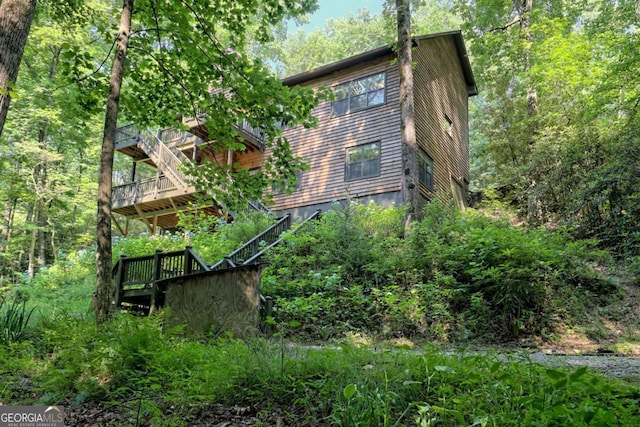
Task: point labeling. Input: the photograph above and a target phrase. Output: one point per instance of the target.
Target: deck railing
(127, 134)
(133, 192)
(144, 272)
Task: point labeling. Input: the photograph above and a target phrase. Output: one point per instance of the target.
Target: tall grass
(14, 318)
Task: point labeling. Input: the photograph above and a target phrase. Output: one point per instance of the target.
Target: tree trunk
(523, 8)
(104, 292)
(15, 22)
(410, 188)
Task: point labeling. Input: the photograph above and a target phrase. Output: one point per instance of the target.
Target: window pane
(359, 87)
(354, 171)
(370, 168)
(341, 91)
(354, 155)
(370, 151)
(376, 98)
(340, 107)
(358, 102)
(376, 82)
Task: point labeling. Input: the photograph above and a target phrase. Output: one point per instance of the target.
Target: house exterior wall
(325, 147)
(442, 85)
(440, 95)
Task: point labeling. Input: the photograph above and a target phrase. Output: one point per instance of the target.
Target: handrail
(253, 246)
(303, 225)
(166, 158)
(133, 192)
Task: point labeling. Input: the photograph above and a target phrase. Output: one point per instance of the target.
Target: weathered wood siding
(440, 92)
(216, 301)
(325, 146)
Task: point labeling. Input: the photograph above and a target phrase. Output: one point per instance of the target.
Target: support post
(157, 275)
(120, 280)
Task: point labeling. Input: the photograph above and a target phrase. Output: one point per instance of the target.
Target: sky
(337, 9)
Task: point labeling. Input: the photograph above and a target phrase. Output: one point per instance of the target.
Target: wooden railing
(133, 192)
(256, 133)
(167, 160)
(247, 251)
(308, 224)
(144, 272)
(126, 135)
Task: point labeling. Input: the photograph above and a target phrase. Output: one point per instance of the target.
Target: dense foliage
(134, 372)
(457, 276)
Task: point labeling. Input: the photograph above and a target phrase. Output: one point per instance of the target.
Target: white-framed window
(359, 94)
(363, 161)
(425, 169)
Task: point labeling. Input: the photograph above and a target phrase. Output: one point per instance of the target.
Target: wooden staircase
(167, 160)
(137, 278)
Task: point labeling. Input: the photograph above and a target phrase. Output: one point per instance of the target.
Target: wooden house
(355, 152)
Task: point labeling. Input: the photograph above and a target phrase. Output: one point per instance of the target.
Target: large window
(363, 161)
(359, 94)
(425, 169)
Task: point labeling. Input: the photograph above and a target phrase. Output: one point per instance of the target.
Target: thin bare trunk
(15, 21)
(410, 188)
(103, 296)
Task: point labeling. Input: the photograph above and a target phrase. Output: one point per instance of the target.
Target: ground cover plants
(138, 373)
(347, 291)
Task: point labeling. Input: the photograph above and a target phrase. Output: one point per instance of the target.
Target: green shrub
(457, 276)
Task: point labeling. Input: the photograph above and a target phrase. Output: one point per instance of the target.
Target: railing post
(121, 279)
(157, 275)
(187, 260)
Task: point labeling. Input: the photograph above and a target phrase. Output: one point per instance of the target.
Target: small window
(425, 169)
(363, 161)
(359, 94)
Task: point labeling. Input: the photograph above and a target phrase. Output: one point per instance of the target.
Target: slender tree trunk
(15, 21)
(104, 292)
(523, 8)
(410, 188)
(7, 224)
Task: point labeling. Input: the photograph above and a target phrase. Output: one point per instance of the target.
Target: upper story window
(359, 94)
(363, 161)
(425, 169)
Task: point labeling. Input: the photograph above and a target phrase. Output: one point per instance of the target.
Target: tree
(558, 120)
(410, 188)
(104, 288)
(340, 38)
(186, 57)
(47, 153)
(15, 20)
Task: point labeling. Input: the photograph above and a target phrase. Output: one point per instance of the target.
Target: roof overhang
(388, 50)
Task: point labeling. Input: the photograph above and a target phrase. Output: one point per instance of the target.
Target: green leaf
(349, 391)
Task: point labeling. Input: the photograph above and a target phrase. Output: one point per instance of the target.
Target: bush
(457, 276)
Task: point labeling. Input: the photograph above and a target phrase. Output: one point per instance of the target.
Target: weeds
(14, 318)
